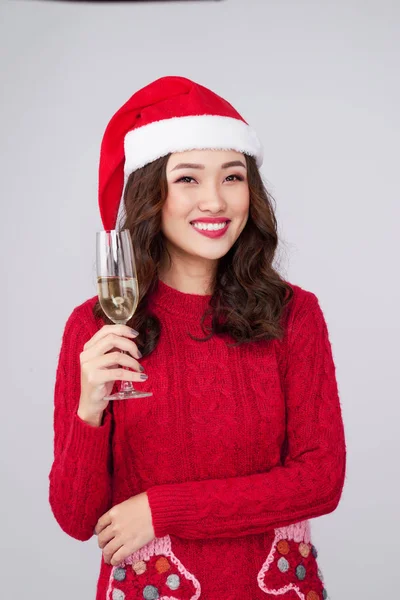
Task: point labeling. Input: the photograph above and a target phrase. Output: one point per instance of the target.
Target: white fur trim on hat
(178, 134)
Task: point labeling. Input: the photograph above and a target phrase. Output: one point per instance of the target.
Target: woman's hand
(125, 528)
(101, 360)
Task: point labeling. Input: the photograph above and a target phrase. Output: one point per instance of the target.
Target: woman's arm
(310, 482)
(80, 475)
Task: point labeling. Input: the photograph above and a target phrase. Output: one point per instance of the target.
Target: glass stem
(126, 386)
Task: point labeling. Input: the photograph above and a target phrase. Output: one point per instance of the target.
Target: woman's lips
(216, 233)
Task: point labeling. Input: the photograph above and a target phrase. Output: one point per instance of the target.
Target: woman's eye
(185, 179)
(188, 179)
(235, 178)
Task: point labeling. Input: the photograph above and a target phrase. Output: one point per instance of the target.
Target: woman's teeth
(210, 226)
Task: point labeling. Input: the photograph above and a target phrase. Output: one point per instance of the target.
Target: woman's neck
(189, 278)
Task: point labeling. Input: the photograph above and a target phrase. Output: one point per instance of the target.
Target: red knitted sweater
(237, 449)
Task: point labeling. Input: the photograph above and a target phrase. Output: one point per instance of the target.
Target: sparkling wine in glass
(117, 287)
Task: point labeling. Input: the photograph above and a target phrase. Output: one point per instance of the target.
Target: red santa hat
(172, 114)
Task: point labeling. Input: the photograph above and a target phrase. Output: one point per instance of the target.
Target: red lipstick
(212, 233)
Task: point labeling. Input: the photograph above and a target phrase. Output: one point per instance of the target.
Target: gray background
(319, 81)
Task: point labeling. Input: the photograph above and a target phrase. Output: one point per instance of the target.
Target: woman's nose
(212, 199)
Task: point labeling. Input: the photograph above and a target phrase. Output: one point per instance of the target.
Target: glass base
(128, 395)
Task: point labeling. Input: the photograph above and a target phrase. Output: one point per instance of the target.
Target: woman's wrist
(95, 420)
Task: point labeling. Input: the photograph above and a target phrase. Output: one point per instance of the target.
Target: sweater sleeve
(79, 491)
(310, 480)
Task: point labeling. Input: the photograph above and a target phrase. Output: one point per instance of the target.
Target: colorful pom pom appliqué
(291, 570)
(153, 573)
(119, 574)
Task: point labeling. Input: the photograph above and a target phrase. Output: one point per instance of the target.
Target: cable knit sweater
(237, 449)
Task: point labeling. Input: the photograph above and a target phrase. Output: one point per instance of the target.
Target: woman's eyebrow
(188, 166)
(232, 163)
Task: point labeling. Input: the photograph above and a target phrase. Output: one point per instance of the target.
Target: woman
(205, 489)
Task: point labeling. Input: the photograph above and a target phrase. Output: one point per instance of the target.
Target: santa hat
(172, 114)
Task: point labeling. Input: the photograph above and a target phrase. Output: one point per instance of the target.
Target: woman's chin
(212, 253)
(206, 250)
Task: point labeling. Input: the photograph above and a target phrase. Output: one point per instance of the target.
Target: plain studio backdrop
(319, 81)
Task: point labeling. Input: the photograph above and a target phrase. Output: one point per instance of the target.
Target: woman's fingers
(101, 376)
(107, 343)
(104, 536)
(121, 330)
(112, 359)
(111, 548)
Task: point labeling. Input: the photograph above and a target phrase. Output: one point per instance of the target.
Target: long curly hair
(249, 295)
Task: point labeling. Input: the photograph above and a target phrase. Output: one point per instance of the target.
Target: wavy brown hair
(249, 295)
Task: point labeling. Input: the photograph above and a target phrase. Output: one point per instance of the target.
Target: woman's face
(207, 205)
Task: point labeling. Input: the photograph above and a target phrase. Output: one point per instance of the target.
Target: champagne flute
(117, 287)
